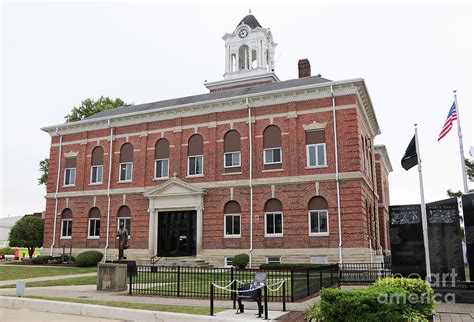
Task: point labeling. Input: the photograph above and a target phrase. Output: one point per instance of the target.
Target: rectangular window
(161, 168)
(231, 159)
(316, 155)
(273, 260)
(126, 171)
(96, 174)
(274, 224)
(228, 261)
(69, 176)
(272, 156)
(232, 225)
(319, 260)
(94, 228)
(318, 222)
(126, 222)
(66, 228)
(195, 165)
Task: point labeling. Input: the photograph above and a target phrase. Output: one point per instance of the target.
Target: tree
(90, 107)
(87, 108)
(44, 169)
(27, 232)
(470, 176)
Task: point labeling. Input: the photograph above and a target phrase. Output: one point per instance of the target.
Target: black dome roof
(250, 21)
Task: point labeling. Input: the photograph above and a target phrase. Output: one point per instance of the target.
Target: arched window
(97, 165)
(316, 148)
(124, 218)
(232, 151)
(162, 156)
(195, 155)
(273, 218)
(233, 62)
(254, 59)
(126, 162)
(318, 217)
(66, 224)
(94, 223)
(232, 219)
(272, 147)
(244, 57)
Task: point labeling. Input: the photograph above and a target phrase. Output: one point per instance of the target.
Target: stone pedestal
(111, 277)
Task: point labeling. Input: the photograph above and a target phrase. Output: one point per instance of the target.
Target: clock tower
(249, 56)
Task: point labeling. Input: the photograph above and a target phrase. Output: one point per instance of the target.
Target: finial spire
(250, 11)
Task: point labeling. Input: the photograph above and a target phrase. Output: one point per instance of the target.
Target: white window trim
(225, 261)
(118, 224)
(62, 224)
(233, 166)
(265, 161)
(70, 184)
(167, 173)
(265, 228)
(101, 177)
(309, 223)
(89, 229)
(196, 175)
(266, 259)
(240, 226)
(308, 166)
(131, 172)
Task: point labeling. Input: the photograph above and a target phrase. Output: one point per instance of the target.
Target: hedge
(291, 266)
(240, 261)
(88, 258)
(41, 260)
(7, 251)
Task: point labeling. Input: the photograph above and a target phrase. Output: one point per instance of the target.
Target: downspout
(108, 189)
(337, 174)
(250, 181)
(58, 175)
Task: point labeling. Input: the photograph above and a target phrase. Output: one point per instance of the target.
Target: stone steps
(178, 261)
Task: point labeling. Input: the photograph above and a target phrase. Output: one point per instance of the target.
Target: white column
(198, 230)
(152, 231)
(227, 59)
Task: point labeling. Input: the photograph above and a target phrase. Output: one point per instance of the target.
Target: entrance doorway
(177, 233)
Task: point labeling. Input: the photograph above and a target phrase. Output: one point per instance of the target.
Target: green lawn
(23, 272)
(138, 306)
(86, 280)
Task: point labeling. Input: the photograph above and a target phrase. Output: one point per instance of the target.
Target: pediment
(173, 187)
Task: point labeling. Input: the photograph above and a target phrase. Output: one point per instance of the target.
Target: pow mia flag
(410, 158)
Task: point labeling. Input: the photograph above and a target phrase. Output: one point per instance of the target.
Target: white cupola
(249, 56)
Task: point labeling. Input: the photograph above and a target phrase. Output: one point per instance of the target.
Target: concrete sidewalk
(46, 278)
(21, 315)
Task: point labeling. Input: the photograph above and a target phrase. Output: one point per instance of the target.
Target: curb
(105, 312)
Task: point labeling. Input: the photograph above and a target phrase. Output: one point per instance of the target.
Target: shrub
(422, 295)
(58, 259)
(7, 251)
(41, 260)
(240, 261)
(290, 266)
(88, 258)
(362, 304)
(313, 313)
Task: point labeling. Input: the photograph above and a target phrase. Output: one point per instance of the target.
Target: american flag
(449, 121)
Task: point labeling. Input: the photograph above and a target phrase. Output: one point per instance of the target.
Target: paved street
(7, 315)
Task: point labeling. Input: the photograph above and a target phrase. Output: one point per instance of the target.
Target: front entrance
(177, 233)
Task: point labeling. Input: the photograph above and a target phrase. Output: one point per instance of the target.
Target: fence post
(233, 287)
(284, 296)
(212, 300)
(130, 282)
(265, 299)
(177, 287)
(307, 282)
(292, 286)
(320, 277)
(331, 279)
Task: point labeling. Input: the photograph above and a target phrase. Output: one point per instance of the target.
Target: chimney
(304, 68)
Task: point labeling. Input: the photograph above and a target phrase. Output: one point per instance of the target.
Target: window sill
(272, 163)
(125, 181)
(69, 186)
(232, 236)
(195, 176)
(96, 184)
(232, 167)
(65, 237)
(317, 167)
(93, 237)
(272, 170)
(231, 173)
(318, 234)
(273, 235)
(161, 179)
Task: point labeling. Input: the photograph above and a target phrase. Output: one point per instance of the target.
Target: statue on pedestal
(122, 235)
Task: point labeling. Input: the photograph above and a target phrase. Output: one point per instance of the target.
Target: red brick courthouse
(283, 170)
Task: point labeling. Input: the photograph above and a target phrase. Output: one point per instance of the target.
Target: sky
(412, 56)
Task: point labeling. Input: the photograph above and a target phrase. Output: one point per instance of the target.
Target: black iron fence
(196, 281)
(363, 273)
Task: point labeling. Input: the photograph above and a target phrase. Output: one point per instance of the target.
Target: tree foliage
(44, 170)
(470, 176)
(90, 107)
(27, 232)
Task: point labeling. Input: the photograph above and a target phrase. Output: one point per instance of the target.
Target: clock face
(243, 33)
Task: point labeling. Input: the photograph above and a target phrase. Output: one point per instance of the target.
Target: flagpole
(461, 147)
(423, 210)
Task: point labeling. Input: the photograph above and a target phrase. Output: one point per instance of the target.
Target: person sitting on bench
(252, 292)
